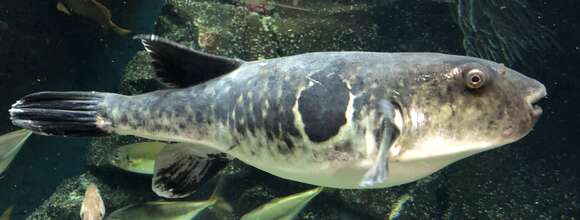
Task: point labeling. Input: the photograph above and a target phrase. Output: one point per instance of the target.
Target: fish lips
(533, 99)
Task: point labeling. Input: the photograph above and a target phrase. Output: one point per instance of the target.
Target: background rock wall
(44, 49)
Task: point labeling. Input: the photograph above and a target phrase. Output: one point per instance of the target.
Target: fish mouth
(533, 100)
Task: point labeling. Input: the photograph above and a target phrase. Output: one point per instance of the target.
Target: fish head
(91, 189)
(462, 106)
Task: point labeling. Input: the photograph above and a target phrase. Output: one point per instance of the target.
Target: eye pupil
(475, 79)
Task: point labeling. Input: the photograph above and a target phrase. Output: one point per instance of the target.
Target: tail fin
(220, 204)
(61, 113)
(7, 213)
(119, 30)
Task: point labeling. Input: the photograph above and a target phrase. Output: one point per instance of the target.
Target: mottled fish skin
(313, 117)
(277, 109)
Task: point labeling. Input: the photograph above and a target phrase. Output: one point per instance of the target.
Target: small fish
(93, 10)
(138, 157)
(170, 210)
(93, 207)
(398, 206)
(286, 208)
(6, 215)
(10, 145)
(351, 120)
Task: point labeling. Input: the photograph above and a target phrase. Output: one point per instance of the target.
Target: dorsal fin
(180, 66)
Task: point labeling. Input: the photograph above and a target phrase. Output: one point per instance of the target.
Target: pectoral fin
(388, 132)
(62, 8)
(181, 168)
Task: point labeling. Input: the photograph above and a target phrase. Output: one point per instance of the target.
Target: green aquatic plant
(502, 30)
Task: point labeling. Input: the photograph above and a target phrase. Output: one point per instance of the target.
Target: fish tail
(220, 204)
(62, 113)
(7, 213)
(119, 30)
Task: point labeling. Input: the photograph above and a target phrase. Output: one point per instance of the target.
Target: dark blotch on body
(323, 106)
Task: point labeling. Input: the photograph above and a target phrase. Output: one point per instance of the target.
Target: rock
(65, 202)
(509, 183)
(43, 49)
(231, 30)
(139, 76)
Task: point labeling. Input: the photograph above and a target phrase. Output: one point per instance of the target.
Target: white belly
(347, 175)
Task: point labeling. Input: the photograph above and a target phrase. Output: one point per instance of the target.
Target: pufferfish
(348, 120)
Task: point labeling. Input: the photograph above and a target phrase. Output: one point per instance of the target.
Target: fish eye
(475, 78)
